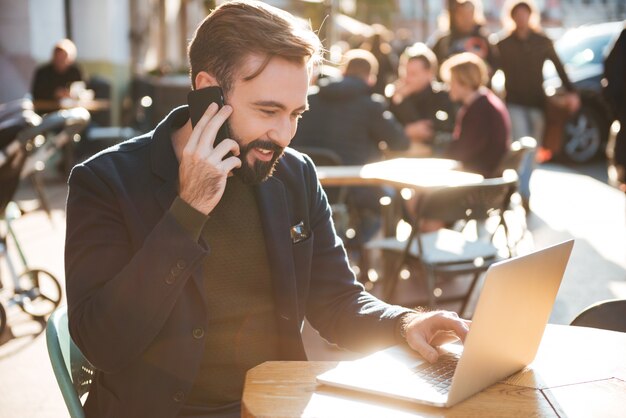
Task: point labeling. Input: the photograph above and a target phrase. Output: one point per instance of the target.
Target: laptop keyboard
(439, 374)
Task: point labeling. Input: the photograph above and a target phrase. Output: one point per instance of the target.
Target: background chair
(449, 252)
(345, 216)
(608, 314)
(72, 370)
(514, 157)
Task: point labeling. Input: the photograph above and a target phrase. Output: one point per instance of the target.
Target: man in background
(421, 103)
(52, 80)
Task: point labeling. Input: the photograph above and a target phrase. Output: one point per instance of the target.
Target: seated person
(482, 132)
(345, 117)
(180, 276)
(419, 102)
(52, 80)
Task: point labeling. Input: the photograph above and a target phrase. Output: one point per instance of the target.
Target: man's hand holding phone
(205, 165)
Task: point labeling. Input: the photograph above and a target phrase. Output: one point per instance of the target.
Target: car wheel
(583, 136)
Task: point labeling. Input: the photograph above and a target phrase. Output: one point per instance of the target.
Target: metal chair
(608, 314)
(448, 252)
(512, 160)
(72, 370)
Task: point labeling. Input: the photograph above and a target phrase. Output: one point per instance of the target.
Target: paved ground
(565, 205)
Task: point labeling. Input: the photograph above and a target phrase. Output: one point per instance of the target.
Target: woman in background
(482, 130)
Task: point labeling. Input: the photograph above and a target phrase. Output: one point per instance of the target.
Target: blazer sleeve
(120, 293)
(338, 307)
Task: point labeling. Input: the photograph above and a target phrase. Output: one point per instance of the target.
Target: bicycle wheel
(3, 319)
(39, 293)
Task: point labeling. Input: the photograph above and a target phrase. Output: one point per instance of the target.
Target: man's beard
(260, 170)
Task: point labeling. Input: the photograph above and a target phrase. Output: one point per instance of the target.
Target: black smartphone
(199, 100)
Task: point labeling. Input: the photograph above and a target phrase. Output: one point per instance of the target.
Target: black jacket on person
(615, 75)
(346, 118)
(477, 42)
(47, 80)
(522, 61)
(433, 103)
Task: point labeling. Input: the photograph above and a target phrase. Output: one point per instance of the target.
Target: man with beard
(181, 276)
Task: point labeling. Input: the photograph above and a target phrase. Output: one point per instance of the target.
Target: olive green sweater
(242, 327)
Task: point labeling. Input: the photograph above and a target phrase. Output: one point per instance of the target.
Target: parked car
(582, 51)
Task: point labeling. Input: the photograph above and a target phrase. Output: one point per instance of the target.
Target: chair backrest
(72, 370)
(608, 314)
(324, 156)
(475, 201)
(321, 156)
(512, 160)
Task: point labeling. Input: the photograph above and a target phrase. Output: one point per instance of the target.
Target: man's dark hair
(360, 63)
(237, 29)
(521, 4)
(420, 52)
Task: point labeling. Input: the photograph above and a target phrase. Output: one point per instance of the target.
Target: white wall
(47, 26)
(100, 30)
(14, 24)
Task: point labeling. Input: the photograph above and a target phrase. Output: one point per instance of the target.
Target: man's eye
(268, 112)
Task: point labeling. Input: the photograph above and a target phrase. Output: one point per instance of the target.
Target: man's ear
(204, 79)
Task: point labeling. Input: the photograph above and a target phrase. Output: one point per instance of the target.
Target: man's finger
(454, 324)
(230, 163)
(418, 343)
(194, 138)
(209, 131)
(223, 148)
(443, 337)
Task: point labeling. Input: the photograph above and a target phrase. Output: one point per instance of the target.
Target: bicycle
(27, 141)
(36, 291)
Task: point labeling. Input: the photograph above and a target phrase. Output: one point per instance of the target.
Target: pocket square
(298, 232)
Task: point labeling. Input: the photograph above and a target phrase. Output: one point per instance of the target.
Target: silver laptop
(511, 315)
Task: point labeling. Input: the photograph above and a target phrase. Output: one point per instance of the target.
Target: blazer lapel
(275, 218)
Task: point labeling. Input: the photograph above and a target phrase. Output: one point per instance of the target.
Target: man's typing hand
(426, 330)
(203, 169)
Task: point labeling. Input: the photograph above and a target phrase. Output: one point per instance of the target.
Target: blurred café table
(578, 372)
(418, 173)
(92, 105)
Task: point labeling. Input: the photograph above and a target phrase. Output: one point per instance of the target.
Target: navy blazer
(136, 301)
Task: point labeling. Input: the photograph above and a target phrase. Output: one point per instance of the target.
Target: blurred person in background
(387, 59)
(522, 55)
(482, 131)
(466, 33)
(52, 80)
(421, 103)
(614, 91)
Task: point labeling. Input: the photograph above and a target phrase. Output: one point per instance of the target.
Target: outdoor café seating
(607, 314)
(448, 252)
(72, 370)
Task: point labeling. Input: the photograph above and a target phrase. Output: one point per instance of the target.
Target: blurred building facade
(121, 39)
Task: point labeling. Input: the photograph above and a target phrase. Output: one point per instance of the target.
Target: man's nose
(283, 132)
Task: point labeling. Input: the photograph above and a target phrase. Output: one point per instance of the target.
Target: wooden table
(417, 173)
(578, 372)
(94, 105)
